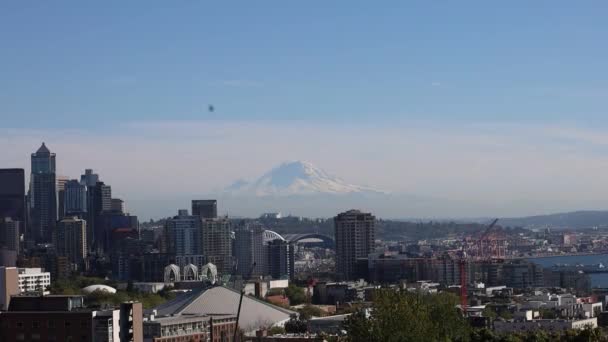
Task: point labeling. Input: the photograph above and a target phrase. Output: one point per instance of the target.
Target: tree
(295, 294)
(296, 325)
(276, 331)
(398, 315)
(309, 311)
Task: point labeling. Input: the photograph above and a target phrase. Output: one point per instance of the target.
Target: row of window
(49, 324)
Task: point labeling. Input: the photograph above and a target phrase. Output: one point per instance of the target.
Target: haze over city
(414, 99)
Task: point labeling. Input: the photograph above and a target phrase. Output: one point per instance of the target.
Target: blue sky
(67, 63)
(511, 95)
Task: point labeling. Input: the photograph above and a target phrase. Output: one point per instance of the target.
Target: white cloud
(521, 168)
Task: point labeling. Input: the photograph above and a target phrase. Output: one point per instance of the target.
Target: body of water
(597, 279)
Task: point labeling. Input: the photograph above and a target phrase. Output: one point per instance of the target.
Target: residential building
(43, 195)
(281, 259)
(71, 241)
(550, 325)
(217, 243)
(355, 236)
(204, 208)
(65, 318)
(183, 234)
(249, 250)
(522, 274)
(34, 280)
(12, 194)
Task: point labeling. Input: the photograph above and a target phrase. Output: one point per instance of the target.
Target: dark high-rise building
(204, 208)
(75, 199)
(249, 248)
(9, 234)
(71, 240)
(99, 201)
(355, 235)
(281, 259)
(61, 182)
(43, 195)
(105, 225)
(12, 194)
(183, 234)
(118, 206)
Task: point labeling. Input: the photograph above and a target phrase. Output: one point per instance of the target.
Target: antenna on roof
(238, 313)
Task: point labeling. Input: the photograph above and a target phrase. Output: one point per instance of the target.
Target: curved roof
(270, 235)
(98, 287)
(298, 237)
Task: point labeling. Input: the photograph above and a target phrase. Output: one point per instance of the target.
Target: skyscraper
(183, 234)
(12, 194)
(61, 181)
(71, 240)
(89, 178)
(217, 243)
(9, 234)
(99, 201)
(204, 208)
(355, 235)
(281, 259)
(75, 199)
(43, 195)
(118, 205)
(248, 249)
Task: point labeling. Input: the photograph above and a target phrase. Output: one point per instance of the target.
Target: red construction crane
(491, 245)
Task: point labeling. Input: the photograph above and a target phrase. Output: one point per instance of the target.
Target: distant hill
(570, 220)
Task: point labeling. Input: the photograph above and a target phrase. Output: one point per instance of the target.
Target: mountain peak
(296, 178)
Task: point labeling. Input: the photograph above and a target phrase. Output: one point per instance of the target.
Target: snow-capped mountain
(296, 178)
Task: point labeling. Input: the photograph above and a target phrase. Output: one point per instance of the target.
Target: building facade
(43, 195)
(216, 237)
(249, 249)
(75, 199)
(183, 234)
(281, 259)
(204, 208)
(99, 202)
(33, 280)
(71, 241)
(355, 236)
(12, 194)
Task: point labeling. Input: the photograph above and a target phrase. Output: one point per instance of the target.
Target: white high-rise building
(34, 280)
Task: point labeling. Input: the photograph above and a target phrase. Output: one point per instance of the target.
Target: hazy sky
(471, 100)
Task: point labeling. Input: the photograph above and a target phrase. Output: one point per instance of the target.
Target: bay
(597, 279)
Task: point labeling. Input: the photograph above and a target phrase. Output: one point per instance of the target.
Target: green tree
(309, 311)
(296, 325)
(405, 316)
(295, 294)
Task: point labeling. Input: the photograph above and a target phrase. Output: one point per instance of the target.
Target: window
(19, 324)
(51, 324)
(20, 337)
(35, 324)
(35, 337)
(67, 324)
